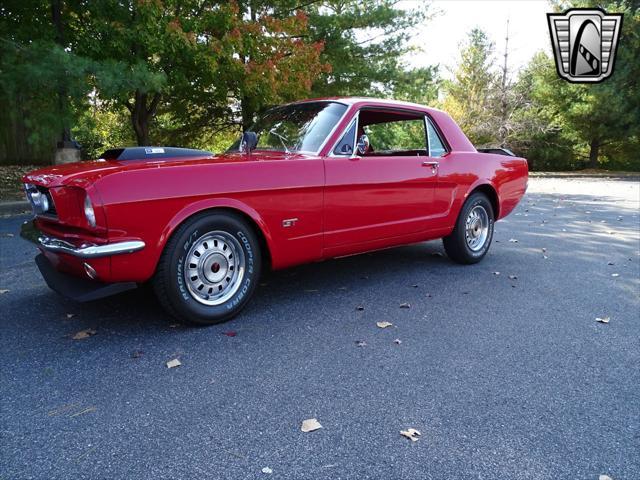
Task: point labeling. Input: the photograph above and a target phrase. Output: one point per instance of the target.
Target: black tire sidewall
(187, 306)
(473, 201)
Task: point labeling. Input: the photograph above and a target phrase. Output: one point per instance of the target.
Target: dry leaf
(513, 240)
(397, 341)
(82, 334)
(3, 291)
(384, 324)
(496, 273)
(173, 363)
(310, 425)
(267, 470)
(615, 274)
(603, 319)
(411, 433)
(405, 305)
(513, 277)
(361, 343)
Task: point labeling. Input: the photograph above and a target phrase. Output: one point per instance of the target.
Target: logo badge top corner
(584, 43)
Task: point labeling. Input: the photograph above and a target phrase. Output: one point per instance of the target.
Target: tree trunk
(593, 153)
(141, 115)
(56, 18)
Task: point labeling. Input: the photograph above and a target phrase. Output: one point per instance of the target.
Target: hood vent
(145, 153)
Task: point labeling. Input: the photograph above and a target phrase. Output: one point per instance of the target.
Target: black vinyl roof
(139, 153)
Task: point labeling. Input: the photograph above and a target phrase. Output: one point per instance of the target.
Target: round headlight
(88, 211)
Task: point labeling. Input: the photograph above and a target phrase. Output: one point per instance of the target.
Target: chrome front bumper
(87, 250)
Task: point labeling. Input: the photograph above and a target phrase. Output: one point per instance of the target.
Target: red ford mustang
(312, 180)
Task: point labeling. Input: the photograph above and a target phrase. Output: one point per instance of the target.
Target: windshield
(301, 127)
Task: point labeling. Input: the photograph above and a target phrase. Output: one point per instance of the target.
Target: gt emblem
(289, 222)
(584, 43)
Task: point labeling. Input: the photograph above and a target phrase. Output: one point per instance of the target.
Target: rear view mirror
(249, 142)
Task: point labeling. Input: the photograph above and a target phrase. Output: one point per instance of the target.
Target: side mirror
(248, 142)
(363, 144)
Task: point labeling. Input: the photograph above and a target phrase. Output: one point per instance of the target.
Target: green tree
(364, 41)
(472, 95)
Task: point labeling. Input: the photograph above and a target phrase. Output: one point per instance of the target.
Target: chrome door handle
(431, 164)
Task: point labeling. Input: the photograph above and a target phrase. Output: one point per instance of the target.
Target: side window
(345, 145)
(436, 147)
(401, 136)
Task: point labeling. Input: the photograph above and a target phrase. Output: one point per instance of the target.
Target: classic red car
(312, 180)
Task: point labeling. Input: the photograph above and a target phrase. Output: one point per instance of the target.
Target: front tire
(209, 269)
(470, 240)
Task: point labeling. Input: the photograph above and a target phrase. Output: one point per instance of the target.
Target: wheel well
(264, 246)
(490, 192)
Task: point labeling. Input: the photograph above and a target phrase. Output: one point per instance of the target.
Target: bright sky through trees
(528, 32)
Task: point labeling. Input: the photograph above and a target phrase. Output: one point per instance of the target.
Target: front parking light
(88, 211)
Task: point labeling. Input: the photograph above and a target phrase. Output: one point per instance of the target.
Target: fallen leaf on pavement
(310, 425)
(397, 341)
(3, 291)
(361, 343)
(384, 324)
(603, 319)
(513, 277)
(86, 410)
(496, 273)
(513, 240)
(411, 433)
(405, 305)
(82, 334)
(267, 470)
(173, 363)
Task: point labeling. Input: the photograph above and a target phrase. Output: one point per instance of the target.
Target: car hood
(81, 174)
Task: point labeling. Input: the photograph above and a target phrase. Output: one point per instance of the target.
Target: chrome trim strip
(89, 250)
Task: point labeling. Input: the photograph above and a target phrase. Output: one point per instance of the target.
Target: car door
(385, 191)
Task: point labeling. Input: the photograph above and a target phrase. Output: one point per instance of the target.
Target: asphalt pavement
(506, 375)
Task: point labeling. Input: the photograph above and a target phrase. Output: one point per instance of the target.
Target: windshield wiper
(282, 139)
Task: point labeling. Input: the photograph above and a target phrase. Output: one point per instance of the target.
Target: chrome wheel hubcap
(214, 268)
(477, 228)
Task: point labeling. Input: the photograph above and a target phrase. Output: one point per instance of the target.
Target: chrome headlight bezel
(38, 200)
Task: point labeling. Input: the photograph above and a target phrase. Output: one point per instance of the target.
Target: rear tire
(470, 240)
(209, 269)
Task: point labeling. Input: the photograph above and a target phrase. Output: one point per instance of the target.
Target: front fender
(219, 202)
